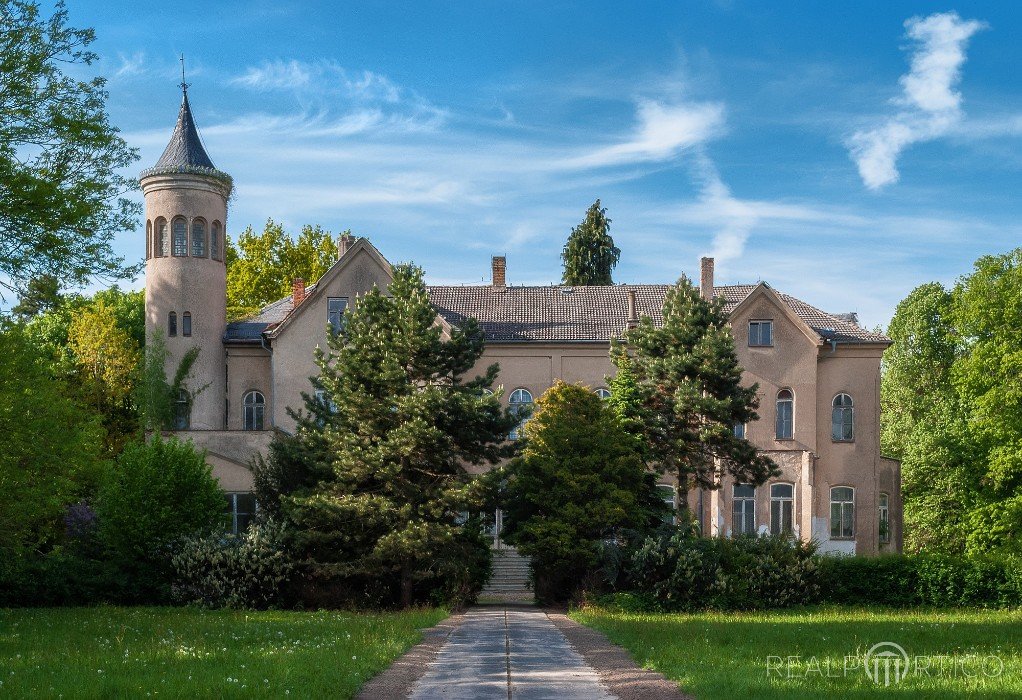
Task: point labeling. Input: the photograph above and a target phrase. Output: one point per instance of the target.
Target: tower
(186, 278)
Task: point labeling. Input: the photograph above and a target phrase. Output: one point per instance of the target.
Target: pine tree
(590, 254)
(685, 393)
(399, 427)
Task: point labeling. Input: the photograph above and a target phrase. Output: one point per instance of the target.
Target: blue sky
(844, 153)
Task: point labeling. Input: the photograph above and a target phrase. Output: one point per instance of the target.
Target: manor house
(818, 373)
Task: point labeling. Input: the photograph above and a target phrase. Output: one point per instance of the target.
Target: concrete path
(507, 653)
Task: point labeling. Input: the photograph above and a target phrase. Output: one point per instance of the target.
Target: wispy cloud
(130, 65)
(929, 106)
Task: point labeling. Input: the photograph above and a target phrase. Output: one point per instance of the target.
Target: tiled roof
(568, 314)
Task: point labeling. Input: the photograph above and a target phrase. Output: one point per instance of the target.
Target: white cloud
(662, 131)
(275, 75)
(130, 65)
(929, 105)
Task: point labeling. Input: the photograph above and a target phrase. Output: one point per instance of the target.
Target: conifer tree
(392, 440)
(685, 393)
(590, 254)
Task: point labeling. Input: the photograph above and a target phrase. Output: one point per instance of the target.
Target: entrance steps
(509, 581)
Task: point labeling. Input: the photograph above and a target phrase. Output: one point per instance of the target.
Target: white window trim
(779, 499)
(830, 514)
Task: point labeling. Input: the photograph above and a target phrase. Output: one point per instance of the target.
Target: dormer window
(761, 334)
(335, 307)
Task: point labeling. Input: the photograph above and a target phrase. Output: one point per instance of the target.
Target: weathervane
(184, 85)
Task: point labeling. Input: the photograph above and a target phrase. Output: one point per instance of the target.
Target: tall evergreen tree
(590, 254)
(403, 426)
(685, 393)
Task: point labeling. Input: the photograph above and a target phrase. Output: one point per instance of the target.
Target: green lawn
(802, 653)
(188, 653)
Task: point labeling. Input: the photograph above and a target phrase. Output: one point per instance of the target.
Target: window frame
(179, 244)
(759, 324)
(846, 513)
(739, 430)
(172, 324)
(203, 252)
(779, 422)
(186, 324)
(748, 509)
(161, 244)
(672, 518)
(255, 421)
(603, 392)
(842, 416)
(884, 517)
(148, 239)
(778, 503)
(338, 325)
(215, 249)
(234, 512)
(515, 406)
(182, 411)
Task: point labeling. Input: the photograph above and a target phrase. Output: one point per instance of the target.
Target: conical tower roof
(185, 152)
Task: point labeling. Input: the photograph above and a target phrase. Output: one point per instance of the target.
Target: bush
(59, 578)
(221, 570)
(158, 492)
(682, 572)
(923, 579)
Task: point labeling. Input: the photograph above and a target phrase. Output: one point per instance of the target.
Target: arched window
(785, 414)
(179, 231)
(743, 513)
(186, 324)
(148, 239)
(172, 324)
(182, 410)
(842, 513)
(782, 501)
(214, 240)
(161, 246)
(603, 392)
(255, 407)
(198, 238)
(842, 418)
(521, 405)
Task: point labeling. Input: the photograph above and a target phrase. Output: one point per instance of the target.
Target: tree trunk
(406, 586)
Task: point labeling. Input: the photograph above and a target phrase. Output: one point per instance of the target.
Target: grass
(802, 653)
(188, 653)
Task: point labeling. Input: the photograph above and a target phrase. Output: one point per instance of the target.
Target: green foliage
(923, 579)
(590, 255)
(160, 491)
(61, 194)
(52, 447)
(261, 267)
(682, 572)
(950, 398)
(41, 294)
(682, 393)
(578, 483)
(155, 398)
(390, 461)
(219, 570)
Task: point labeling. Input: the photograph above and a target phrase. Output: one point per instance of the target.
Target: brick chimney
(343, 243)
(297, 292)
(633, 314)
(499, 264)
(706, 278)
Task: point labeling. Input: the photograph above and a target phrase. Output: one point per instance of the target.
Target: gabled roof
(185, 152)
(570, 314)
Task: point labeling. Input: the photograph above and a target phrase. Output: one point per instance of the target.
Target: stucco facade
(254, 370)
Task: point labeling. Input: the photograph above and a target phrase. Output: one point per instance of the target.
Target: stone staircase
(510, 579)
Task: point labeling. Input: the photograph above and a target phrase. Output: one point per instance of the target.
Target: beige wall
(248, 369)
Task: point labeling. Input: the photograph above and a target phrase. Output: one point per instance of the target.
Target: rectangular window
(761, 333)
(739, 429)
(241, 507)
(335, 307)
(186, 324)
(666, 492)
(743, 514)
(782, 504)
(885, 518)
(842, 513)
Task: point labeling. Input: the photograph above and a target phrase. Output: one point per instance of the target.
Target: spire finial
(184, 85)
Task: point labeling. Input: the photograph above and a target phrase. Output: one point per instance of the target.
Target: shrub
(682, 572)
(221, 570)
(158, 492)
